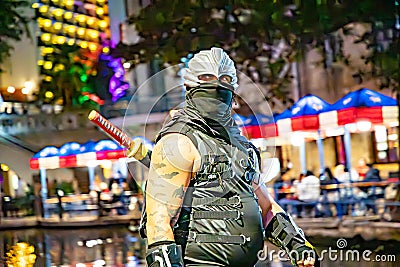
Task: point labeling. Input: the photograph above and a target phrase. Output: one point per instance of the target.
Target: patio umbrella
(256, 125)
(358, 111)
(361, 105)
(73, 154)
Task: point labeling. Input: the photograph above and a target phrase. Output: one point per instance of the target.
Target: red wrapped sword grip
(111, 130)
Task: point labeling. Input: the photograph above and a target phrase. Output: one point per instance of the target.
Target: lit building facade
(83, 23)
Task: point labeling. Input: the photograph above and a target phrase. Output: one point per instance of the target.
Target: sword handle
(111, 130)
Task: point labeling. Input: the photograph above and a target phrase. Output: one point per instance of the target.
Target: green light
(84, 78)
(85, 89)
(82, 99)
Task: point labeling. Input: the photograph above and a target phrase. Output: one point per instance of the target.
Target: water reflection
(117, 246)
(105, 246)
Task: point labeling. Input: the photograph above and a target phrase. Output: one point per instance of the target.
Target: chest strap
(221, 215)
(217, 201)
(222, 239)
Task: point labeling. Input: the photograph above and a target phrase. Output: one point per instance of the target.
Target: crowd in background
(335, 192)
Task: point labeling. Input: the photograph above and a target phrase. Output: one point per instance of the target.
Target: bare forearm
(168, 178)
(163, 201)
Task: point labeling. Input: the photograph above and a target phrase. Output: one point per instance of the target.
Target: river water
(117, 246)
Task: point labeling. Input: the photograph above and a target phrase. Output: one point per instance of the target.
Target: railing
(100, 205)
(347, 201)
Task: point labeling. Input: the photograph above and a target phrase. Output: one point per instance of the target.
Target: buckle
(239, 215)
(235, 201)
(192, 236)
(245, 239)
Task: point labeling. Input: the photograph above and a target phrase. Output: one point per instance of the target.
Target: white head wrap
(215, 62)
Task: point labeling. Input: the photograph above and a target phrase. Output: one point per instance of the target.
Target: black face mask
(212, 100)
(213, 90)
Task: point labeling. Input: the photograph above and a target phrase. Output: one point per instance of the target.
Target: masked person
(205, 202)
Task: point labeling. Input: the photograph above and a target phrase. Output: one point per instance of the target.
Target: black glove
(164, 255)
(283, 232)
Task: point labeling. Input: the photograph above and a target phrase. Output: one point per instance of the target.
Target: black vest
(220, 221)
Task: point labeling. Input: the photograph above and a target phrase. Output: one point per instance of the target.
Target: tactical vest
(220, 221)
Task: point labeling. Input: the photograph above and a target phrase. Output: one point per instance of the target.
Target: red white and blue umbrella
(302, 116)
(73, 154)
(256, 125)
(358, 106)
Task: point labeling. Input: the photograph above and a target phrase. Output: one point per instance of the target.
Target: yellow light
(40, 62)
(47, 23)
(58, 13)
(48, 78)
(81, 18)
(60, 66)
(90, 21)
(83, 44)
(100, 11)
(45, 37)
(47, 50)
(71, 42)
(92, 47)
(68, 15)
(57, 26)
(48, 65)
(5, 167)
(101, 2)
(103, 24)
(48, 94)
(106, 50)
(69, 2)
(43, 9)
(93, 34)
(80, 31)
(35, 5)
(11, 89)
(60, 39)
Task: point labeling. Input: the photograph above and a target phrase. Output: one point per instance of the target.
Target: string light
(68, 15)
(83, 44)
(45, 37)
(47, 23)
(92, 47)
(43, 9)
(71, 42)
(100, 11)
(57, 26)
(49, 94)
(106, 50)
(48, 65)
(58, 13)
(103, 24)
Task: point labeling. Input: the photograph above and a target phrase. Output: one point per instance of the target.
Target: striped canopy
(73, 154)
(361, 105)
(302, 116)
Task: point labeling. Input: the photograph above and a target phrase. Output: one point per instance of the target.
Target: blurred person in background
(309, 192)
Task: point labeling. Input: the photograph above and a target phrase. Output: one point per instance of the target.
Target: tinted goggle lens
(221, 94)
